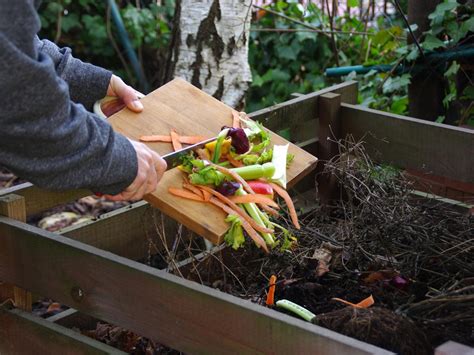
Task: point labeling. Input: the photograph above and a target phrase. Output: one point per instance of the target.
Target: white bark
(212, 51)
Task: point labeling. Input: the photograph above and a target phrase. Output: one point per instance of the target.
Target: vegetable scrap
(239, 173)
(271, 291)
(365, 303)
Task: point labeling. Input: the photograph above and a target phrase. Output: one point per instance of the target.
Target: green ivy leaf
(352, 3)
(396, 83)
(449, 98)
(440, 119)
(468, 93)
(399, 106)
(431, 42)
(452, 70)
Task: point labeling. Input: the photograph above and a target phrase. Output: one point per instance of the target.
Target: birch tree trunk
(210, 47)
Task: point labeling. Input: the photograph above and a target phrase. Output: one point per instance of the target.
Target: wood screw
(77, 294)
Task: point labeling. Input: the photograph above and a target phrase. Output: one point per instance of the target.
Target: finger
(129, 97)
(139, 193)
(115, 198)
(152, 181)
(160, 167)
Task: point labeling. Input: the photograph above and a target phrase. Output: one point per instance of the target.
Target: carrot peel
(261, 199)
(185, 194)
(175, 140)
(365, 303)
(271, 291)
(291, 207)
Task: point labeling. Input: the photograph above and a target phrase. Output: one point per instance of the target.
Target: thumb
(130, 98)
(128, 95)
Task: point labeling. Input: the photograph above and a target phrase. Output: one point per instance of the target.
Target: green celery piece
(255, 212)
(207, 176)
(235, 235)
(288, 238)
(265, 157)
(220, 139)
(280, 153)
(250, 159)
(254, 129)
(251, 172)
(296, 309)
(210, 176)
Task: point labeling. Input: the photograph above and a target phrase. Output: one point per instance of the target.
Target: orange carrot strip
(185, 194)
(291, 207)
(191, 139)
(235, 176)
(167, 139)
(248, 228)
(245, 185)
(257, 198)
(271, 291)
(239, 210)
(207, 195)
(365, 303)
(194, 189)
(234, 162)
(235, 119)
(156, 138)
(175, 140)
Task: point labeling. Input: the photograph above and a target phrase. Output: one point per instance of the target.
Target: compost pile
(413, 255)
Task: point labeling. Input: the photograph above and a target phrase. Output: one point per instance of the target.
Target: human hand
(126, 93)
(151, 168)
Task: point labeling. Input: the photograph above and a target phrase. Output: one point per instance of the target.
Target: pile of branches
(384, 227)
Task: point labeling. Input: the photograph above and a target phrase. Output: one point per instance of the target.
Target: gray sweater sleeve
(45, 137)
(87, 83)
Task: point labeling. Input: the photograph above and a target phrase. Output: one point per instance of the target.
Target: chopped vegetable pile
(242, 175)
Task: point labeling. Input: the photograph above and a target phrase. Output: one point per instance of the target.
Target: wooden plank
(38, 200)
(177, 312)
(13, 206)
(411, 143)
(23, 333)
(329, 137)
(125, 231)
(181, 106)
(293, 113)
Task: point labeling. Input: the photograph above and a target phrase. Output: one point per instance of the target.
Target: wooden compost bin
(90, 267)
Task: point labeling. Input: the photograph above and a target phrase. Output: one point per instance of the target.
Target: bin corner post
(329, 107)
(14, 206)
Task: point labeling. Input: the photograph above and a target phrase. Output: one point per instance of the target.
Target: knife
(173, 159)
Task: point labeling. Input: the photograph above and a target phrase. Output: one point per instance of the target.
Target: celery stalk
(220, 139)
(255, 213)
(279, 160)
(251, 172)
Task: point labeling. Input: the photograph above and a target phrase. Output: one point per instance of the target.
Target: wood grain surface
(181, 106)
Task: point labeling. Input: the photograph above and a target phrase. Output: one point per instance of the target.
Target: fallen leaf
(324, 255)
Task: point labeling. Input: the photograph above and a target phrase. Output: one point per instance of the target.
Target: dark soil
(413, 255)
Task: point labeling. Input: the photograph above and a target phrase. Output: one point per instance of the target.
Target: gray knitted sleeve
(45, 137)
(87, 83)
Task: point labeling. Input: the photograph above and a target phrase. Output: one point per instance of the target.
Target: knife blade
(173, 159)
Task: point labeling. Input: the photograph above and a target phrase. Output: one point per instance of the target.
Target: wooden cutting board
(191, 111)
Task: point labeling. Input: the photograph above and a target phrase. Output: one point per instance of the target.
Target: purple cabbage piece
(228, 188)
(239, 140)
(399, 282)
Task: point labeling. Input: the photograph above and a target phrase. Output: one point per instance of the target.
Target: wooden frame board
(410, 143)
(179, 313)
(23, 333)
